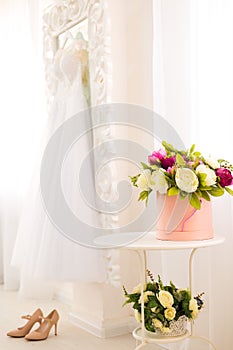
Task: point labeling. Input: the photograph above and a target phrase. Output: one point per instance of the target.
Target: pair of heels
(42, 332)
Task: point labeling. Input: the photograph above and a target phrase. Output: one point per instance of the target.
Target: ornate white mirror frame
(58, 19)
(64, 15)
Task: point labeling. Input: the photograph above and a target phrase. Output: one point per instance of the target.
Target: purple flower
(156, 157)
(168, 162)
(226, 178)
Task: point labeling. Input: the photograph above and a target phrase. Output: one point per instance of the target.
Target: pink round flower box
(179, 221)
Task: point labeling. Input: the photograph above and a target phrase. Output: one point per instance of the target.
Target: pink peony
(168, 162)
(226, 178)
(156, 157)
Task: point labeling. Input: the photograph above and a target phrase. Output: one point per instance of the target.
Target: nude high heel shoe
(24, 330)
(42, 332)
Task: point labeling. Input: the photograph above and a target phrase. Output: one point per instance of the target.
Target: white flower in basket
(166, 308)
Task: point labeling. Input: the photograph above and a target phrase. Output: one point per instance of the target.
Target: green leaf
(145, 166)
(195, 201)
(229, 190)
(196, 163)
(197, 154)
(149, 327)
(180, 160)
(134, 179)
(150, 286)
(152, 303)
(168, 147)
(143, 195)
(205, 188)
(173, 287)
(126, 302)
(192, 148)
(160, 282)
(173, 191)
(160, 317)
(202, 178)
(216, 191)
(137, 306)
(177, 296)
(169, 179)
(183, 194)
(198, 192)
(205, 195)
(154, 167)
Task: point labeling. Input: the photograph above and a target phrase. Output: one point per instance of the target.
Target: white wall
(132, 50)
(131, 44)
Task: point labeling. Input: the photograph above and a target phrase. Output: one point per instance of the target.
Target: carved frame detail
(57, 19)
(64, 15)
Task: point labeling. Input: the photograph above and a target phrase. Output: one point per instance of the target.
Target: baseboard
(106, 329)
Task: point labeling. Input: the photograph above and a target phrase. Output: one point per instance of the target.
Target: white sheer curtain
(212, 31)
(22, 117)
(193, 84)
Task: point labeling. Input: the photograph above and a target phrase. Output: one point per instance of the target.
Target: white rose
(165, 298)
(166, 330)
(158, 182)
(213, 162)
(145, 296)
(211, 176)
(193, 306)
(137, 289)
(137, 315)
(143, 181)
(157, 323)
(170, 313)
(186, 180)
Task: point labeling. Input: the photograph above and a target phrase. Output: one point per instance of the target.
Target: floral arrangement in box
(184, 173)
(163, 305)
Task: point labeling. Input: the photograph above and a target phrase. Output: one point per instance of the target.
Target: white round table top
(148, 241)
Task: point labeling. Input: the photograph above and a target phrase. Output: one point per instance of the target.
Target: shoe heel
(43, 331)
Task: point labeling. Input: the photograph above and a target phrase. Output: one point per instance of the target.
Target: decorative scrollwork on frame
(100, 52)
(101, 85)
(61, 17)
(58, 19)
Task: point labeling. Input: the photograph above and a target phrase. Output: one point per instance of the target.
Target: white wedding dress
(41, 252)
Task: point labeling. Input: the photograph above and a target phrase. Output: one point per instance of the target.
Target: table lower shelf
(153, 338)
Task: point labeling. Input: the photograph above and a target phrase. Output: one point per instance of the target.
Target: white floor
(69, 336)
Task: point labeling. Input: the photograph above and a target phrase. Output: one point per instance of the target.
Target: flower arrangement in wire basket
(164, 305)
